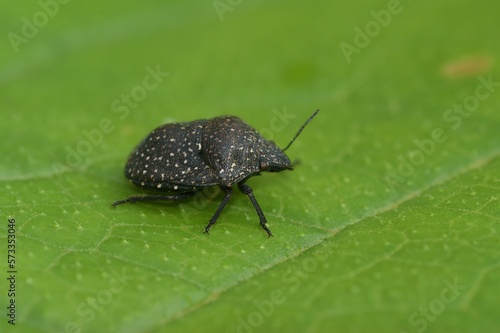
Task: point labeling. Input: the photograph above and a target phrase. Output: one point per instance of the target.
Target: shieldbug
(181, 159)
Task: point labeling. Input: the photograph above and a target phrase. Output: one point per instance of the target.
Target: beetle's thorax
(231, 148)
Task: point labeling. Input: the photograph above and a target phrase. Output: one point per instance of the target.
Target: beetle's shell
(187, 156)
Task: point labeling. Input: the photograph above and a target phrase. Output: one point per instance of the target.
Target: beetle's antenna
(302, 128)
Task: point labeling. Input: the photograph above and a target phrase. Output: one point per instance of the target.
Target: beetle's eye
(264, 166)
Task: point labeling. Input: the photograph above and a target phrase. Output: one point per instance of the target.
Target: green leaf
(390, 222)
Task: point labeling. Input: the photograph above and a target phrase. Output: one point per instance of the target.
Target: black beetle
(183, 158)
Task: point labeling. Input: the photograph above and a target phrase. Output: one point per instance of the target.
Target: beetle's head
(273, 159)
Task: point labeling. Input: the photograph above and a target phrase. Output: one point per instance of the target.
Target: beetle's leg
(249, 192)
(173, 197)
(229, 192)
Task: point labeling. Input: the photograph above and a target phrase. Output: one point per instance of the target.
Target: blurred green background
(390, 223)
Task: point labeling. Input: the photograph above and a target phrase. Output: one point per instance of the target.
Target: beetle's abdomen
(170, 159)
